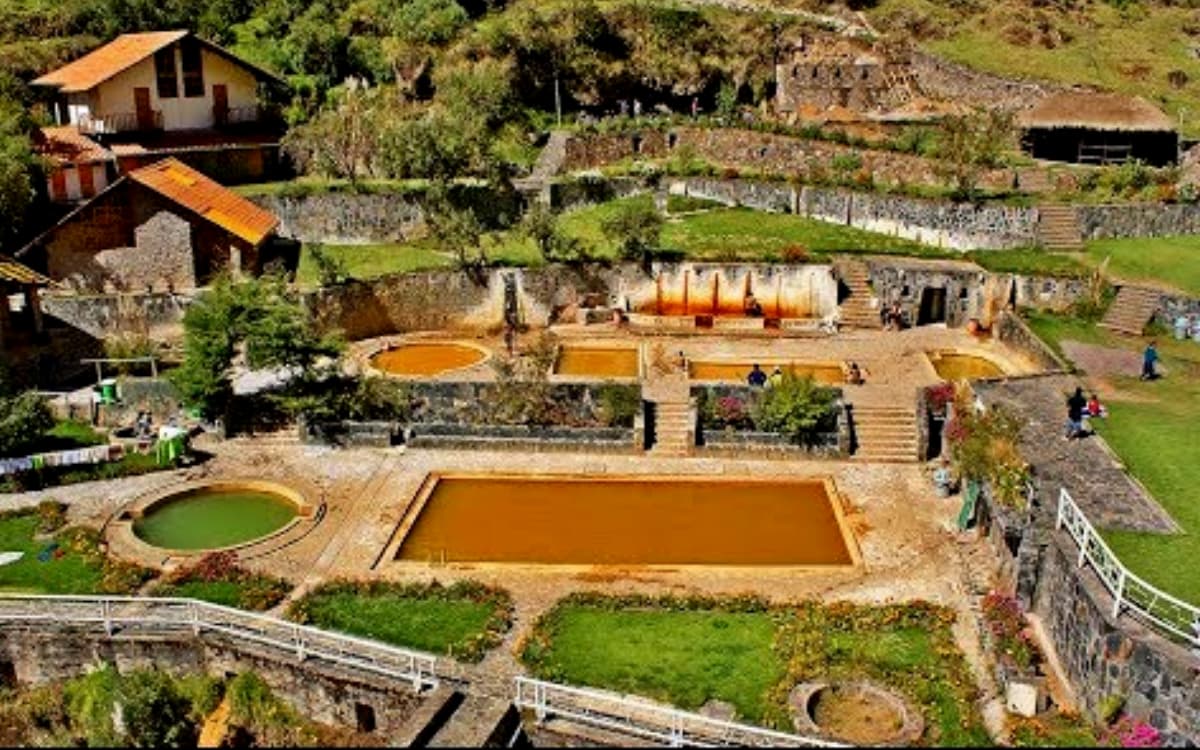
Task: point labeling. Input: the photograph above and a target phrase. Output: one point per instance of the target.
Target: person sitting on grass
(1075, 406)
(1149, 358)
(757, 378)
(1095, 408)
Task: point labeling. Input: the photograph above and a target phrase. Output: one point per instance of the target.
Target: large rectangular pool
(626, 521)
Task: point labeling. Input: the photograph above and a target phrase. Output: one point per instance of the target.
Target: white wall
(115, 96)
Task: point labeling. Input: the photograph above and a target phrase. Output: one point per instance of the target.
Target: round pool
(214, 517)
(428, 359)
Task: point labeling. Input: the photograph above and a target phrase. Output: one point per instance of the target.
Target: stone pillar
(34, 304)
(235, 261)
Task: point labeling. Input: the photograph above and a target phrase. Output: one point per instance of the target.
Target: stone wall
(907, 282)
(1015, 333)
(1138, 220)
(161, 256)
(941, 79)
(353, 218)
(158, 315)
(780, 155)
(1049, 292)
(322, 693)
(1103, 657)
(943, 224)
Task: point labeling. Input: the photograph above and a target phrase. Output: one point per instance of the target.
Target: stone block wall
(346, 218)
(1014, 332)
(942, 79)
(906, 283)
(1159, 680)
(324, 694)
(1138, 220)
(159, 315)
(161, 258)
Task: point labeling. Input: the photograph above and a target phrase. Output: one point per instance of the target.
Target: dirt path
(215, 726)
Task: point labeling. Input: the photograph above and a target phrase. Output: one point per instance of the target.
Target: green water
(209, 519)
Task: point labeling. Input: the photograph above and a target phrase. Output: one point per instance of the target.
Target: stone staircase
(1131, 310)
(1058, 227)
(856, 310)
(674, 428)
(550, 161)
(885, 434)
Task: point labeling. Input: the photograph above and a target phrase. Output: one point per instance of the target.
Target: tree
(542, 227)
(456, 231)
(636, 227)
(972, 144)
(155, 714)
(343, 139)
(16, 167)
(24, 418)
(264, 323)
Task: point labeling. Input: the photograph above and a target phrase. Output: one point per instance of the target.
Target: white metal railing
(170, 614)
(120, 122)
(1129, 592)
(647, 720)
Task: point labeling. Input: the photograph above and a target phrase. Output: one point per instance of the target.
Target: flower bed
(219, 578)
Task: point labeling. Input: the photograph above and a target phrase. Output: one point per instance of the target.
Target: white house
(159, 80)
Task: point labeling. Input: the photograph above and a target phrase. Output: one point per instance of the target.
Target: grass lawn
(1030, 261)
(688, 652)
(1150, 426)
(369, 261)
(1165, 261)
(72, 573)
(463, 620)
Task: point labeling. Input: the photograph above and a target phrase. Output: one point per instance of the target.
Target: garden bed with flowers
(219, 578)
(796, 416)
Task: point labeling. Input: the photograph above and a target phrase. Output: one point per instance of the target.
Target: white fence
(650, 721)
(123, 614)
(1158, 608)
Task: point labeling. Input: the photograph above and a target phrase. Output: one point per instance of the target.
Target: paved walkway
(1086, 467)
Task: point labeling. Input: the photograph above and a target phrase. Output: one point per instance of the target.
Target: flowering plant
(1133, 733)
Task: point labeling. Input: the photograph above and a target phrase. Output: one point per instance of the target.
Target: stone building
(1099, 128)
(144, 96)
(164, 227)
(818, 74)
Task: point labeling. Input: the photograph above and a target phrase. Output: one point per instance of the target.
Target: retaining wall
(1138, 220)
(325, 694)
(1158, 680)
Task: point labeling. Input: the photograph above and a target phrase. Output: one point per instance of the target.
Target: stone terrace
(1086, 468)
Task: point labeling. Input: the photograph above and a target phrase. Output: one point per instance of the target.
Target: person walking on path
(1149, 358)
(1075, 406)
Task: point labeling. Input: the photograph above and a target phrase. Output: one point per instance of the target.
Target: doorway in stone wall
(933, 306)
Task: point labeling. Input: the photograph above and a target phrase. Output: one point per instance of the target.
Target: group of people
(1080, 410)
(758, 378)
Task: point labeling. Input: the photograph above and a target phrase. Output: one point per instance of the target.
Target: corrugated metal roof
(66, 145)
(181, 184)
(105, 62)
(12, 271)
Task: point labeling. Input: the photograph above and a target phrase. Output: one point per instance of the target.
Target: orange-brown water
(426, 359)
(607, 363)
(627, 522)
(738, 371)
(951, 366)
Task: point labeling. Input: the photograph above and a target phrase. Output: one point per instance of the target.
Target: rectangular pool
(605, 362)
(626, 521)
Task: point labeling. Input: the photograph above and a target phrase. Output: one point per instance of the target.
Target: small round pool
(214, 518)
(427, 359)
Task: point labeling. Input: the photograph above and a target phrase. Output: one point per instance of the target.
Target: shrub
(635, 227)
(795, 254)
(253, 591)
(52, 516)
(619, 404)
(796, 406)
(731, 410)
(984, 447)
(1006, 624)
(155, 713)
(1134, 733)
(24, 418)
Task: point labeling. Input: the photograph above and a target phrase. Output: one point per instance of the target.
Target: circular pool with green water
(215, 517)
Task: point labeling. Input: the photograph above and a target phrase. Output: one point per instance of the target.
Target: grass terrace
(750, 654)
(1149, 426)
(60, 561)
(1171, 262)
(463, 620)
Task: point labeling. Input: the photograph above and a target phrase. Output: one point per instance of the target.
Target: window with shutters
(193, 72)
(164, 73)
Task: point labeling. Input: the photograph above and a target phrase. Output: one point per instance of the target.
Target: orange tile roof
(66, 145)
(105, 62)
(10, 270)
(181, 184)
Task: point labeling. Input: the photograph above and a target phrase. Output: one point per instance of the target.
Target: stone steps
(1058, 228)
(1131, 310)
(480, 721)
(885, 434)
(429, 718)
(674, 429)
(856, 310)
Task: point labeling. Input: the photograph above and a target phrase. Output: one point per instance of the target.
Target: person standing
(637, 108)
(757, 378)
(695, 107)
(1075, 406)
(1149, 358)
